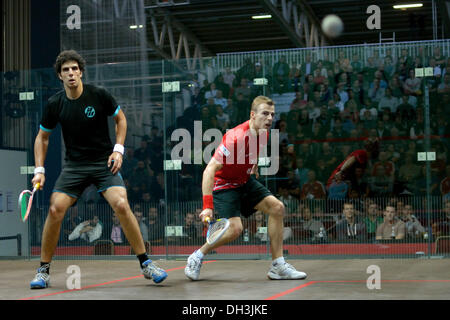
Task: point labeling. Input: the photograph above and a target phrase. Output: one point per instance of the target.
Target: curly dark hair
(69, 55)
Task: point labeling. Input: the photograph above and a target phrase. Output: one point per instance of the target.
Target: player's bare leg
(59, 204)
(194, 263)
(280, 269)
(275, 209)
(117, 198)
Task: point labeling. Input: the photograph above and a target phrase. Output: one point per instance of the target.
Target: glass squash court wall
(173, 128)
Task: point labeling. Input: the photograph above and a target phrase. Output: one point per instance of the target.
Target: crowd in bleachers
(337, 105)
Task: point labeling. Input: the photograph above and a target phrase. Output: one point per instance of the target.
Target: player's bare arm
(116, 158)
(40, 153)
(208, 184)
(255, 171)
(347, 165)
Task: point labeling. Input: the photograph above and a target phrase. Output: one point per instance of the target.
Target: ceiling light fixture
(408, 5)
(262, 16)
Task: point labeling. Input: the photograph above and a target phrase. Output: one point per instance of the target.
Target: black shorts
(74, 178)
(230, 203)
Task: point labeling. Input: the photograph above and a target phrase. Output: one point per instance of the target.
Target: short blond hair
(259, 100)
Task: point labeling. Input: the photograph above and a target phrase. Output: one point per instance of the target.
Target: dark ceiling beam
(224, 11)
(284, 25)
(185, 30)
(313, 18)
(444, 9)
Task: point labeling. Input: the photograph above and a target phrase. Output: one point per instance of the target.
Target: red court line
(281, 294)
(290, 290)
(100, 284)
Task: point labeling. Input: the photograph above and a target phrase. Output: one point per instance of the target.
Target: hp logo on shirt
(89, 112)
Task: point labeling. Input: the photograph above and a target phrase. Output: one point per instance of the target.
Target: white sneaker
(193, 265)
(284, 271)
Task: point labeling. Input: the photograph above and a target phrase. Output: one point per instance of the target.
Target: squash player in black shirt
(82, 110)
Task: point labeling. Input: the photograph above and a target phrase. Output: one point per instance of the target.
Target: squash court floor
(228, 280)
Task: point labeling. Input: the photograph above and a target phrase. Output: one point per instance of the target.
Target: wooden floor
(406, 279)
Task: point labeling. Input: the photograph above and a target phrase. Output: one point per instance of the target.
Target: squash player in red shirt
(357, 159)
(230, 188)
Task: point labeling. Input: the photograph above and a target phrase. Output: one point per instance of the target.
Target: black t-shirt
(84, 123)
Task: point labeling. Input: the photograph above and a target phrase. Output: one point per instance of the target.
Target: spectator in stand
(338, 130)
(443, 225)
(299, 102)
(115, 232)
(405, 58)
(333, 109)
(444, 87)
(242, 106)
(212, 108)
(142, 223)
(412, 85)
(392, 228)
(328, 154)
(396, 86)
(359, 93)
(372, 219)
(301, 172)
(308, 66)
(380, 184)
(319, 78)
(369, 114)
(401, 125)
(143, 152)
(376, 91)
(338, 189)
(444, 186)
(312, 189)
(129, 163)
(406, 110)
(387, 165)
(243, 89)
(223, 119)
(313, 111)
(190, 231)
(220, 100)
(350, 228)
(284, 195)
(360, 185)
(356, 63)
(257, 227)
(389, 67)
(245, 71)
(280, 76)
(222, 86)
(313, 228)
(440, 59)
(388, 102)
(421, 183)
(141, 174)
(413, 227)
(155, 227)
(382, 128)
(228, 77)
(88, 231)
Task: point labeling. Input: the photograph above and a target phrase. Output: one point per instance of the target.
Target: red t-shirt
(361, 161)
(238, 152)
